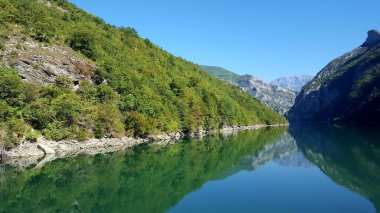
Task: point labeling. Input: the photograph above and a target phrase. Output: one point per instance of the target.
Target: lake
(303, 169)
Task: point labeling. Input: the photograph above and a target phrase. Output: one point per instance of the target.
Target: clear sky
(265, 38)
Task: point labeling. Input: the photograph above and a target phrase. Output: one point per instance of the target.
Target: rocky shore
(43, 151)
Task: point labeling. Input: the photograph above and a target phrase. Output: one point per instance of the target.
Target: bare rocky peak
(292, 82)
(278, 98)
(372, 39)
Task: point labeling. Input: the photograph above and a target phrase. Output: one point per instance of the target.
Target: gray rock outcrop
(372, 39)
(278, 98)
(294, 83)
(42, 64)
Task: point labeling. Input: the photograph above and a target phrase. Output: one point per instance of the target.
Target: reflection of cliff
(295, 160)
(143, 180)
(284, 147)
(349, 157)
(284, 152)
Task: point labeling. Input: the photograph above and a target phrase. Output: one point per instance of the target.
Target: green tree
(137, 124)
(84, 42)
(11, 87)
(66, 108)
(39, 114)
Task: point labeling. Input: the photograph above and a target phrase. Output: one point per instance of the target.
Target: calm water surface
(309, 169)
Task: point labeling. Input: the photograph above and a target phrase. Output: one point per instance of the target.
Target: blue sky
(265, 38)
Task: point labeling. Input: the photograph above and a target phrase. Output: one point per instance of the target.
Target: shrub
(32, 135)
(11, 87)
(64, 82)
(108, 120)
(66, 108)
(39, 114)
(83, 41)
(137, 124)
(105, 94)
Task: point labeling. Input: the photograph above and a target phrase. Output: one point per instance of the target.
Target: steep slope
(277, 98)
(346, 90)
(68, 74)
(292, 82)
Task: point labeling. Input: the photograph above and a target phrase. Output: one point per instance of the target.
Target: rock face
(373, 38)
(277, 98)
(42, 64)
(346, 90)
(292, 82)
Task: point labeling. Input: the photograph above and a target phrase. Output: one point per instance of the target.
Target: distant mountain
(292, 82)
(278, 98)
(221, 73)
(346, 90)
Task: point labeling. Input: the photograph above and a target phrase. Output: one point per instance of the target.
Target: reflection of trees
(142, 180)
(3, 134)
(349, 157)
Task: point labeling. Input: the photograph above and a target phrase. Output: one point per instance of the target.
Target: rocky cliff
(41, 63)
(278, 98)
(292, 82)
(346, 90)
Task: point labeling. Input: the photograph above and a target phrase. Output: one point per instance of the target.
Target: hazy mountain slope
(278, 98)
(221, 73)
(292, 82)
(90, 78)
(346, 90)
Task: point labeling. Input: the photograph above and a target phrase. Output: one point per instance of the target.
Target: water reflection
(161, 178)
(145, 179)
(349, 156)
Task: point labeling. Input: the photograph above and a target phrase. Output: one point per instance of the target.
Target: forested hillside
(127, 86)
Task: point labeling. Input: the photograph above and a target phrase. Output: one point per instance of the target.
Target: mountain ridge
(277, 97)
(292, 82)
(346, 90)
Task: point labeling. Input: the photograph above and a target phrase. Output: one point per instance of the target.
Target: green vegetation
(137, 89)
(145, 179)
(221, 73)
(56, 111)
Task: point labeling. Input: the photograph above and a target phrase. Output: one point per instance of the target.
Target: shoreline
(43, 151)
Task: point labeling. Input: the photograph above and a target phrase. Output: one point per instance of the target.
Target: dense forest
(136, 89)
